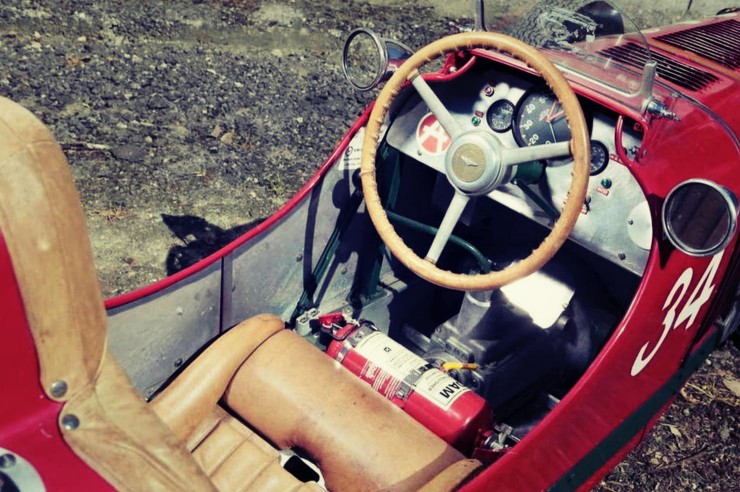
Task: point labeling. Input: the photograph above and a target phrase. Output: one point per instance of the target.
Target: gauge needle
(554, 112)
(548, 119)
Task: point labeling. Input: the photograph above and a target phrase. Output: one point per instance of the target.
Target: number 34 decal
(673, 317)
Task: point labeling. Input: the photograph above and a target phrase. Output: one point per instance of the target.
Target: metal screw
(7, 461)
(622, 256)
(58, 389)
(178, 362)
(630, 222)
(343, 270)
(299, 257)
(70, 422)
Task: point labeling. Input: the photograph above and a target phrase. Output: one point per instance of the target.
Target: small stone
(158, 102)
(36, 35)
(217, 131)
(724, 433)
(733, 385)
(227, 138)
(674, 430)
(130, 153)
(82, 39)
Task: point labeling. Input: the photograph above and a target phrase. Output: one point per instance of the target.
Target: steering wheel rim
(579, 147)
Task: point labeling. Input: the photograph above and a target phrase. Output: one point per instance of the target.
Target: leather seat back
(42, 223)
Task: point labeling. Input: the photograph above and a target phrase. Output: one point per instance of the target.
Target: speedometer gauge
(599, 157)
(499, 115)
(539, 119)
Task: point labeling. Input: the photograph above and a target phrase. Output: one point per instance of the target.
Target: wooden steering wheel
(476, 162)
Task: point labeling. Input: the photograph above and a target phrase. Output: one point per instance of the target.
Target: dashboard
(520, 110)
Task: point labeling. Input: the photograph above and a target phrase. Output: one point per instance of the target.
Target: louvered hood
(718, 42)
(694, 57)
(670, 69)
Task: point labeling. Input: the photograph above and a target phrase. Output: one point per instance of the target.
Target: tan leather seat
(104, 419)
(184, 440)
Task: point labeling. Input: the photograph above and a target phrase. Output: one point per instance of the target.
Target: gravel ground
(221, 109)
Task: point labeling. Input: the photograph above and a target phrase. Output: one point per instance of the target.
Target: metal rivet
(70, 422)
(58, 389)
(7, 461)
(178, 362)
(622, 256)
(299, 257)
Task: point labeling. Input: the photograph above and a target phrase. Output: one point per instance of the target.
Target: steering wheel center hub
(473, 163)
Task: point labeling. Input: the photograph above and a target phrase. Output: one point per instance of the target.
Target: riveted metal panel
(152, 337)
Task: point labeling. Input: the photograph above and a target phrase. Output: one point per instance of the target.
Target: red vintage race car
(499, 279)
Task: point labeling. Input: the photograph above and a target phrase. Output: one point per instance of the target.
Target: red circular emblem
(432, 138)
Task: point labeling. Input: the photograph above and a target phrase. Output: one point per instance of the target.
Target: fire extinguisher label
(389, 355)
(440, 388)
(389, 363)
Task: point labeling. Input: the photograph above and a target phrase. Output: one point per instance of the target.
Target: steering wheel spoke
(519, 155)
(454, 211)
(438, 109)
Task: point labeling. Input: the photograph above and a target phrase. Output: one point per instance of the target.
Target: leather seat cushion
(238, 459)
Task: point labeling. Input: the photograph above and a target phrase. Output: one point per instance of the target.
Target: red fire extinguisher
(432, 397)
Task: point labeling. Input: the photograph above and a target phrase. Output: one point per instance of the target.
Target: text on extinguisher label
(395, 360)
(439, 388)
(389, 355)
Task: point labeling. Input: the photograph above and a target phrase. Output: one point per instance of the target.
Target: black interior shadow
(200, 239)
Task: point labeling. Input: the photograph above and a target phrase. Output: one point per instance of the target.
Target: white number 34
(700, 295)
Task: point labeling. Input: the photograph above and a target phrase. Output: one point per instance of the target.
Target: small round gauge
(499, 115)
(599, 157)
(539, 118)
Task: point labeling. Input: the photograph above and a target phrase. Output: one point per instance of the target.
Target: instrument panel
(520, 110)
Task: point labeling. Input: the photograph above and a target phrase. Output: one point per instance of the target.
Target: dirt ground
(221, 109)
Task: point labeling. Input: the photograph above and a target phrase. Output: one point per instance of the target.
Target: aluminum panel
(154, 336)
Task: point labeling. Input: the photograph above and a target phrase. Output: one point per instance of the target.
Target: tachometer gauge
(539, 119)
(599, 157)
(499, 115)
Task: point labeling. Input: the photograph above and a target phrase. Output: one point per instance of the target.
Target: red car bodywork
(668, 329)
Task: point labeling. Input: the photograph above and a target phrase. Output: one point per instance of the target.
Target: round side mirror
(700, 217)
(368, 59)
(363, 59)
